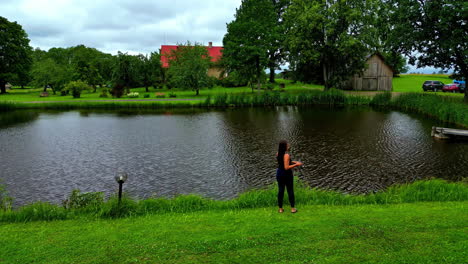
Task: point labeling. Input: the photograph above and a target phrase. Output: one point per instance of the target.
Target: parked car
(462, 85)
(451, 87)
(432, 85)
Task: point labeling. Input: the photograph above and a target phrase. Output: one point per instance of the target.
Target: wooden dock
(448, 133)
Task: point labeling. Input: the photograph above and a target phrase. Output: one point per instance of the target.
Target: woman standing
(284, 175)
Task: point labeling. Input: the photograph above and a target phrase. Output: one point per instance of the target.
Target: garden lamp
(120, 178)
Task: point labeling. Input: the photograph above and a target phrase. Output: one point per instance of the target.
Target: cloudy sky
(133, 26)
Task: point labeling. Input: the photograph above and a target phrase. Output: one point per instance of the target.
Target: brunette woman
(284, 175)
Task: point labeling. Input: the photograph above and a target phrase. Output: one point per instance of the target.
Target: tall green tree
(150, 70)
(47, 73)
(253, 39)
(15, 52)
(432, 33)
(330, 33)
(188, 67)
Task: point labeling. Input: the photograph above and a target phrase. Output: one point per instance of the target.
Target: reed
(443, 108)
(420, 191)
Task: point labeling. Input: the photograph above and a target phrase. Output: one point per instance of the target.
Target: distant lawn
(414, 82)
(434, 232)
(403, 84)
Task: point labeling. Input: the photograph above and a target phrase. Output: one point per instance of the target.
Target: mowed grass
(32, 94)
(413, 82)
(430, 232)
(405, 83)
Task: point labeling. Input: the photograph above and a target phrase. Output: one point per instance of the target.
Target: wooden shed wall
(377, 77)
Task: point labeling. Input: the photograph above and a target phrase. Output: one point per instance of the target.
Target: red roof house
(214, 52)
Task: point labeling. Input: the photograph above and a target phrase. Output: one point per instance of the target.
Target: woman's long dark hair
(282, 148)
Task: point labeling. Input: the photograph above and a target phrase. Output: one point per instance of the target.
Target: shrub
(133, 95)
(269, 86)
(381, 99)
(211, 82)
(118, 90)
(172, 95)
(78, 200)
(234, 79)
(160, 95)
(146, 96)
(104, 93)
(76, 87)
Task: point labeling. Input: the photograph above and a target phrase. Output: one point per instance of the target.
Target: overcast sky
(133, 26)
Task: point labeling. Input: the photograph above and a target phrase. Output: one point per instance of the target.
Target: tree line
(328, 41)
(322, 41)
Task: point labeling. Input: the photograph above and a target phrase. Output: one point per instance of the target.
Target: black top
(281, 161)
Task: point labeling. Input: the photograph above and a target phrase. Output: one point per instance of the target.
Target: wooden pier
(448, 133)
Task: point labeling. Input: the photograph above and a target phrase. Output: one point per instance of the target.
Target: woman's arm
(287, 166)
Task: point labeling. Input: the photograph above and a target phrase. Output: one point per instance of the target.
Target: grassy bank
(429, 232)
(446, 109)
(93, 206)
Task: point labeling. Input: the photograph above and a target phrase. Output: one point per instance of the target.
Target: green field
(403, 233)
(403, 84)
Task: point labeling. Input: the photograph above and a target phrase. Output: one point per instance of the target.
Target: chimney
(210, 44)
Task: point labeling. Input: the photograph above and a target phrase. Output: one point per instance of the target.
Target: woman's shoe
(293, 210)
(281, 210)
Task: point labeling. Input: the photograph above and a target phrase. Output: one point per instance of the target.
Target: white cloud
(126, 25)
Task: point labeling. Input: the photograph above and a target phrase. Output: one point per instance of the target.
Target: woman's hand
(298, 163)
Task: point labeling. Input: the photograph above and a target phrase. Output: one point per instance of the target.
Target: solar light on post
(120, 179)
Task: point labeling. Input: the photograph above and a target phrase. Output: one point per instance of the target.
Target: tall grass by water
(447, 109)
(420, 191)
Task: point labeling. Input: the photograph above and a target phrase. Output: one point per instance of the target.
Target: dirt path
(113, 100)
(368, 93)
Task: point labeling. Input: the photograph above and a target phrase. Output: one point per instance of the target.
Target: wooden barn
(377, 77)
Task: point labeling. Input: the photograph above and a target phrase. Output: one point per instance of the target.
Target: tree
(253, 39)
(88, 73)
(15, 52)
(76, 87)
(150, 70)
(188, 67)
(48, 73)
(332, 33)
(432, 33)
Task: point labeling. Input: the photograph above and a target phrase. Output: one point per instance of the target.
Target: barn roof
(378, 54)
(215, 52)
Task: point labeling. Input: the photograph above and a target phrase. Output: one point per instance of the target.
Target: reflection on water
(219, 153)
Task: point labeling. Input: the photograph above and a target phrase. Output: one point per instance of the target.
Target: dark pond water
(217, 154)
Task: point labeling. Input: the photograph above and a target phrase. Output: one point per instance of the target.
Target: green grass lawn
(403, 84)
(430, 232)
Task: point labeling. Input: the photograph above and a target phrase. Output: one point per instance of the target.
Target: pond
(217, 154)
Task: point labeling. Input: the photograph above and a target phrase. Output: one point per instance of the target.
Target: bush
(234, 79)
(78, 200)
(160, 95)
(172, 95)
(104, 93)
(269, 86)
(381, 99)
(133, 95)
(146, 96)
(211, 82)
(118, 90)
(75, 88)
